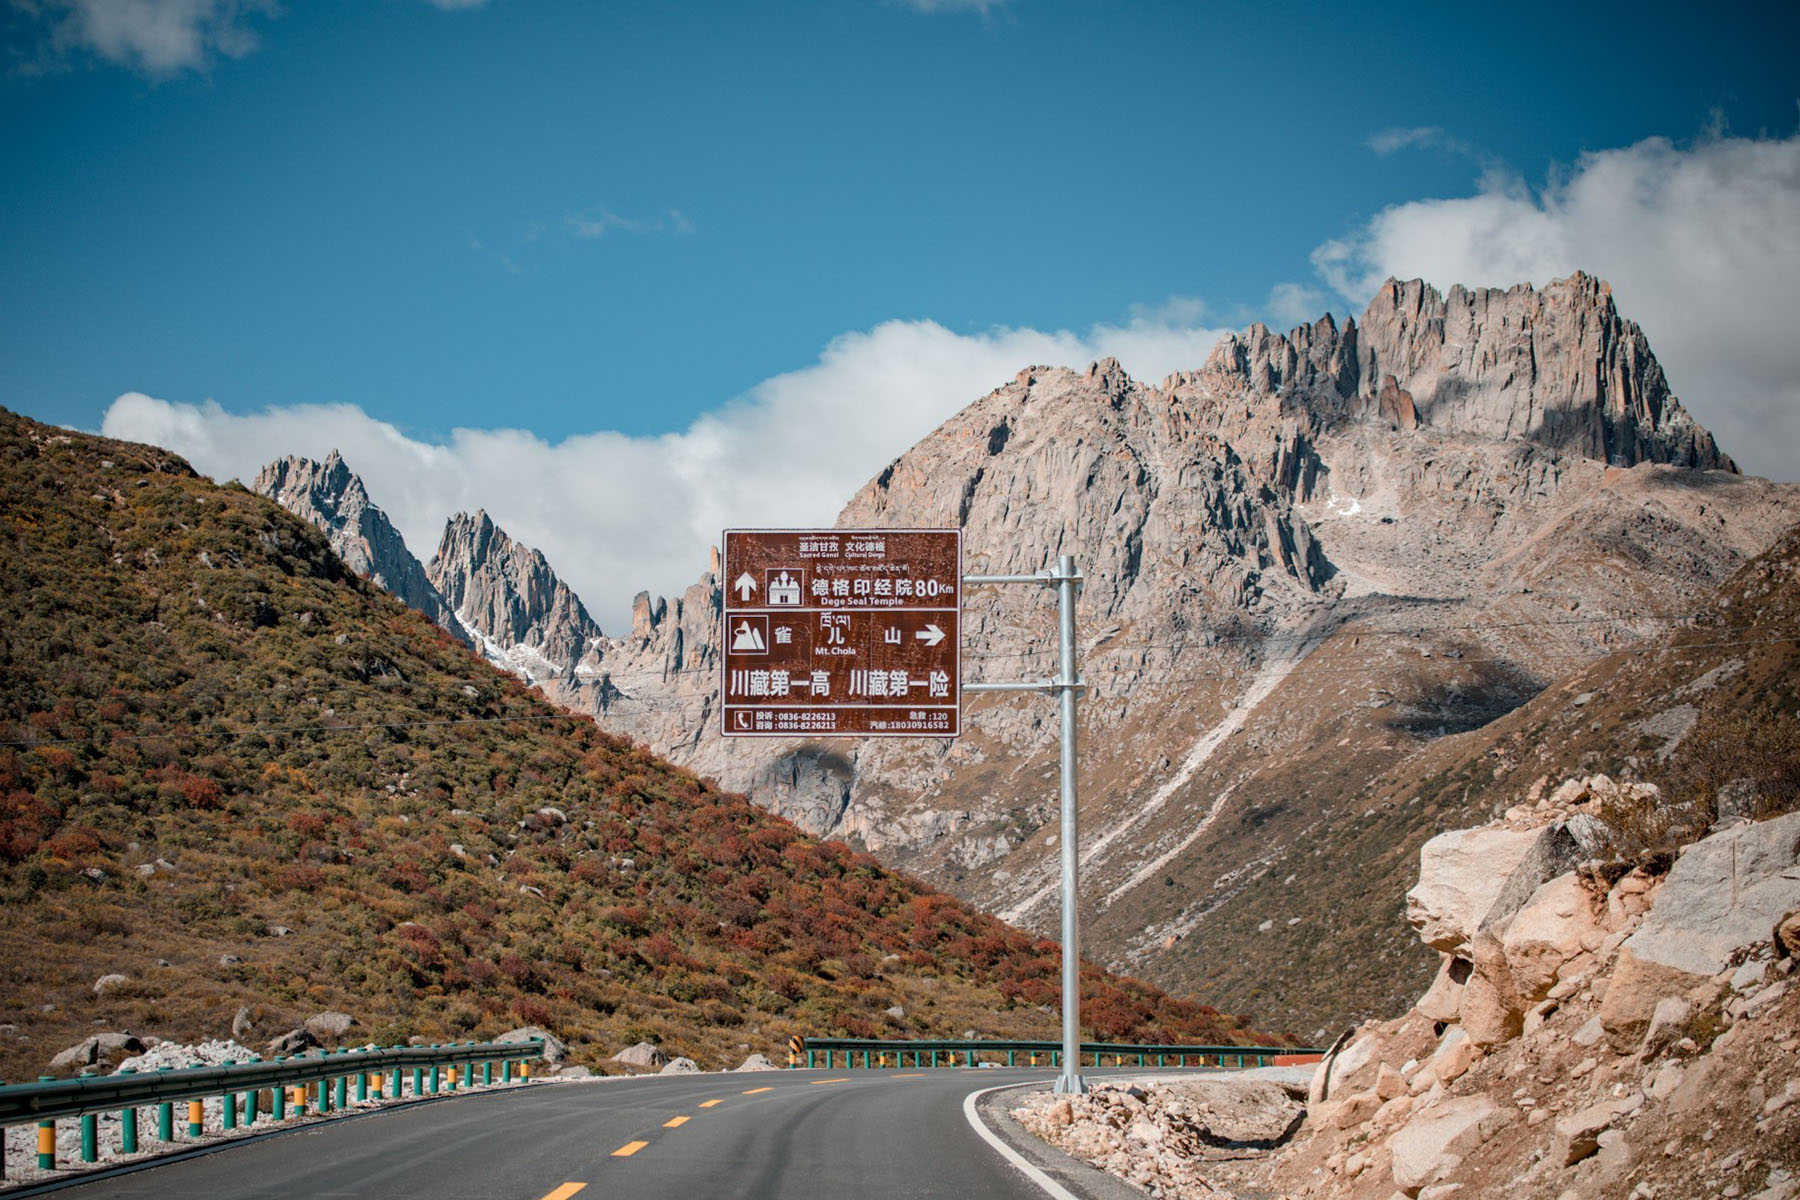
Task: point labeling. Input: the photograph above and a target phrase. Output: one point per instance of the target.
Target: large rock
(757, 1062)
(1431, 1145)
(294, 1041)
(1547, 932)
(642, 1055)
(1725, 893)
(1461, 875)
(1493, 1007)
(95, 1050)
(1442, 1002)
(680, 1066)
(330, 1025)
(555, 1050)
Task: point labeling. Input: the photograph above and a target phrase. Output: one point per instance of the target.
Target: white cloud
(156, 37)
(616, 514)
(1390, 140)
(597, 222)
(1294, 303)
(1701, 244)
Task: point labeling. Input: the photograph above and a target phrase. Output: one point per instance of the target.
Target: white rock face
(525, 618)
(1725, 892)
(1461, 875)
(1548, 932)
(1432, 1144)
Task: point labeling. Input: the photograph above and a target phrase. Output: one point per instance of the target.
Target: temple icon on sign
(749, 635)
(784, 587)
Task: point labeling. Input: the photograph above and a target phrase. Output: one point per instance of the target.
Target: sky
(628, 274)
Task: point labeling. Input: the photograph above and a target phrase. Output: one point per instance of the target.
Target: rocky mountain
(240, 784)
(526, 619)
(333, 499)
(1307, 563)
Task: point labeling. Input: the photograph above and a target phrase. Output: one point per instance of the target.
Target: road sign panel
(842, 632)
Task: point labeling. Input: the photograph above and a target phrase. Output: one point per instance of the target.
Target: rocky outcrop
(644, 1056)
(526, 619)
(1702, 1100)
(332, 497)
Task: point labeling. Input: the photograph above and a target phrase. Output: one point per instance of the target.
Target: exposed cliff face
(1306, 562)
(527, 619)
(332, 498)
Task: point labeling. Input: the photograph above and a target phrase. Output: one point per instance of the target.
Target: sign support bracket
(1067, 684)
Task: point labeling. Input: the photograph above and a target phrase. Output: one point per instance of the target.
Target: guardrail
(322, 1080)
(876, 1052)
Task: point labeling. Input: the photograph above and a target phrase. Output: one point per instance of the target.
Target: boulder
(1725, 893)
(332, 1025)
(1442, 1002)
(642, 1055)
(1578, 1134)
(294, 1041)
(107, 982)
(1548, 931)
(1493, 1010)
(680, 1066)
(1787, 936)
(758, 1062)
(1461, 875)
(555, 1050)
(1433, 1142)
(574, 1073)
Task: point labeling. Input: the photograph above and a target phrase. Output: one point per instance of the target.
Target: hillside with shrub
(241, 777)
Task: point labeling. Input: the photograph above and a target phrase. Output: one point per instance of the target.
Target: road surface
(856, 1134)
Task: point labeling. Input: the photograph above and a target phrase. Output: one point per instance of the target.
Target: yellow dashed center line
(629, 1149)
(675, 1122)
(919, 1075)
(817, 1082)
(710, 1103)
(753, 1091)
(565, 1191)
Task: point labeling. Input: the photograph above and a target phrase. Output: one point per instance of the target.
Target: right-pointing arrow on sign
(931, 635)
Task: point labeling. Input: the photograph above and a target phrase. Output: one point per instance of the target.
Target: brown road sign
(842, 633)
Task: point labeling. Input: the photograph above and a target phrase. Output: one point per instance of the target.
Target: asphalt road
(863, 1135)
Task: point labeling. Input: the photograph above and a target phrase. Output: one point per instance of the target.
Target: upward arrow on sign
(745, 586)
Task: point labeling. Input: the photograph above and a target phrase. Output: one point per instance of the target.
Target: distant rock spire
(528, 620)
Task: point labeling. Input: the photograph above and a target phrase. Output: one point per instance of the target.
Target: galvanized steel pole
(1068, 684)
(1070, 1080)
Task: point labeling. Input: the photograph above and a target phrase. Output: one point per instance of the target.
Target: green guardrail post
(165, 1121)
(1009, 1058)
(436, 1078)
(362, 1087)
(341, 1094)
(278, 1103)
(324, 1105)
(90, 1137)
(506, 1071)
(127, 1126)
(228, 1104)
(487, 1073)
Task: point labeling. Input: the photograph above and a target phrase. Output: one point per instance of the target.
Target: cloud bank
(1701, 244)
(616, 514)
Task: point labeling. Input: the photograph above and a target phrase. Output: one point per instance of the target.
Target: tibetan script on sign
(841, 633)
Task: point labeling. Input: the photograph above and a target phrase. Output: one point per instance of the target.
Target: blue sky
(483, 235)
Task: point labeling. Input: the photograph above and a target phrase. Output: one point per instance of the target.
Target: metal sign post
(1066, 685)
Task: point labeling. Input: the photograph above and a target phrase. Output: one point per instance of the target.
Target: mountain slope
(1306, 563)
(240, 776)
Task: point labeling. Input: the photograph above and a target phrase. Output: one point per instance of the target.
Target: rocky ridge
(1613, 1028)
(332, 497)
(528, 621)
(1309, 564)
(1305, 563)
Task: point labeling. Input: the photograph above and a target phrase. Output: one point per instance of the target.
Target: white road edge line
(1053, 1189)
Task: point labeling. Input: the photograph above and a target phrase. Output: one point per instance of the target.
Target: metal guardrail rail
(87, 1096)
(877, 1052)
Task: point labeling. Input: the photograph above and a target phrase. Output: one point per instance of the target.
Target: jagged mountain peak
(528, 620)
(333, 498)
